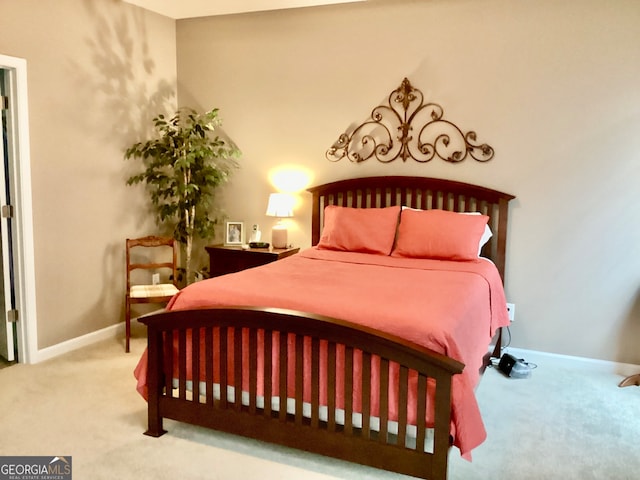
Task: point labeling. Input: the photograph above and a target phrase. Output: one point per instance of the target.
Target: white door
(7, 312)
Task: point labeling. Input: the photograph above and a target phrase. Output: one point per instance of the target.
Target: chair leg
(127, 321)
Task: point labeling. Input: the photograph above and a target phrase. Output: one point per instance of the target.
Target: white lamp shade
(280, 205)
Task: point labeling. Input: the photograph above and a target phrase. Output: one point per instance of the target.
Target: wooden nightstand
(228, 259)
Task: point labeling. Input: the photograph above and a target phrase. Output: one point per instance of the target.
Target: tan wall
(552, 88)
(97, 71)
(552, 85)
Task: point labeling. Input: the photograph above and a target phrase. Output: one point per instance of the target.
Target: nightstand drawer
(230, 259)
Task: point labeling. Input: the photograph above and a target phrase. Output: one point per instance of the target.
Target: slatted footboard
(208, 367)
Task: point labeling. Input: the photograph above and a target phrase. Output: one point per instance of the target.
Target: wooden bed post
(442, 437)
(154, 349)
(500, 260)
(315, 220)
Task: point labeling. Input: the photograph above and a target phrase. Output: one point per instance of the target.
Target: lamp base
(279, 236)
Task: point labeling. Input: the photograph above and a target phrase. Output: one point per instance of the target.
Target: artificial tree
(183, 167)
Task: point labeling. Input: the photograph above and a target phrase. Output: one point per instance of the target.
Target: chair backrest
(152, 261)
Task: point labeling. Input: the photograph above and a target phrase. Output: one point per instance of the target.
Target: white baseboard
(569, 361)
(67, 346)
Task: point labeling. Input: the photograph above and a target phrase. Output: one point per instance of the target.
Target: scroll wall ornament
(422, 134)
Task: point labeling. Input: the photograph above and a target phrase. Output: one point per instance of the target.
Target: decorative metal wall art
(422, 134)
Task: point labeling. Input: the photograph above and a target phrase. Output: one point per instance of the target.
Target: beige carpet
(562, 423)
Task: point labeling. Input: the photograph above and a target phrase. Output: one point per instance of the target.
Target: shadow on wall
(122, 71)
(630, 333)
(112, 267)
(113, 292)
(120, 80)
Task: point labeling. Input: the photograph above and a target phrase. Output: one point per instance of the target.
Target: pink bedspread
(451, 307)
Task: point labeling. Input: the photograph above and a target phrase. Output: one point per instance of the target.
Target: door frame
(20, 183)
(7, 327)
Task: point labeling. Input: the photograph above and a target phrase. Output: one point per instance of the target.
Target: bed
(362, 366)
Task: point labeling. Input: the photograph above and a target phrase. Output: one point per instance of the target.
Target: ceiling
(205, 8)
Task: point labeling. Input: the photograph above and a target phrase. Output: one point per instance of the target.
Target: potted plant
(183, 167)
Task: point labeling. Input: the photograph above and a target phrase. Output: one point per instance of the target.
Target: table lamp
(280, 206)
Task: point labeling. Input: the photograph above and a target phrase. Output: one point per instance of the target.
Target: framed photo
(234, 233)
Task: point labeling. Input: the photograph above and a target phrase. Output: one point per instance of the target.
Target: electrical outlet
(511, 308)
(155, 278)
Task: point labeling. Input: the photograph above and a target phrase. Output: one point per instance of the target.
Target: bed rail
(181, 347)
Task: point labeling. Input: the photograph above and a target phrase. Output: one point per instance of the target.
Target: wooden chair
(155, 258)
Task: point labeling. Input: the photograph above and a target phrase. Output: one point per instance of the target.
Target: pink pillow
(367, 230)
(439, 234)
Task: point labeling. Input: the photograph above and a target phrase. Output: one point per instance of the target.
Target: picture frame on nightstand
(234, 233)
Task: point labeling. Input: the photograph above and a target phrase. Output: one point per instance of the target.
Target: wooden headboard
(418, 192)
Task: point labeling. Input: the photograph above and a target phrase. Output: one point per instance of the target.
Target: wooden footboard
(299, 412)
